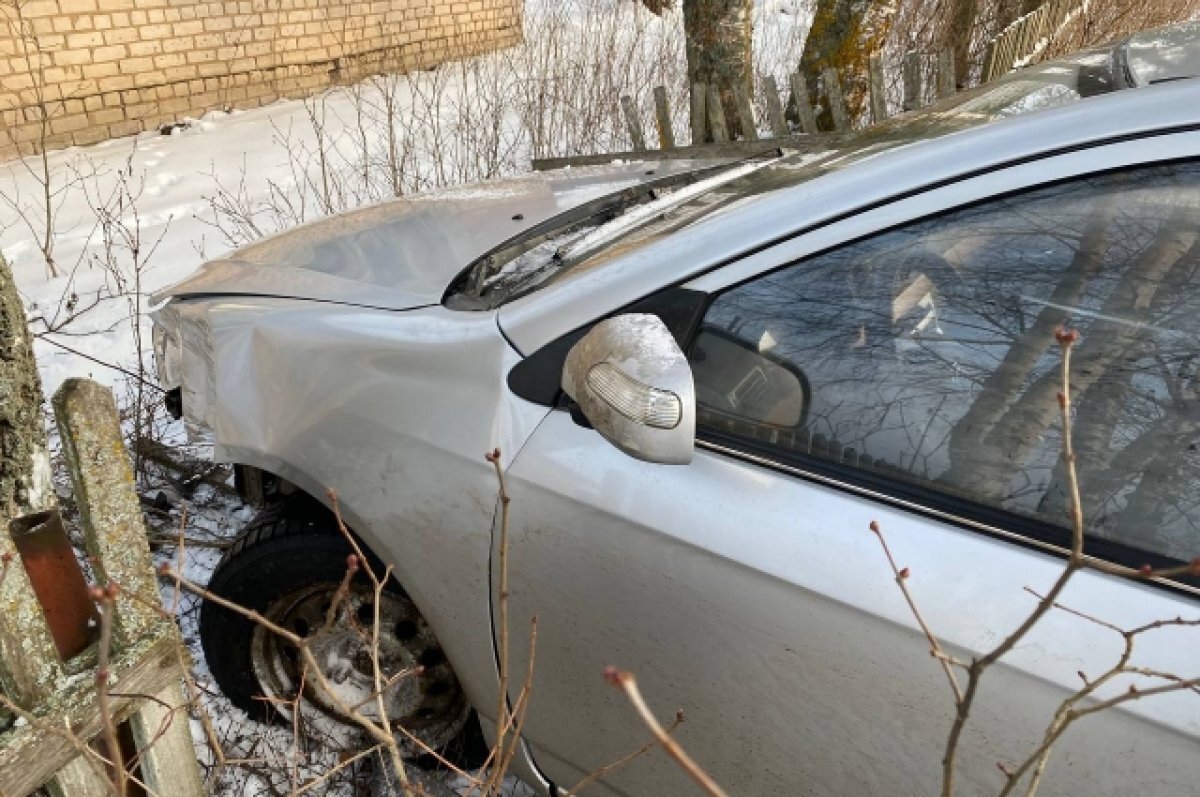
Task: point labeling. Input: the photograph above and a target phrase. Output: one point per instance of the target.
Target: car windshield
(606, 229)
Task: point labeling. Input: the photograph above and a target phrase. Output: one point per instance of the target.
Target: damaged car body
(705, 380)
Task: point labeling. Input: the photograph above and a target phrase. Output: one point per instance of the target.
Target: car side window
(927, 354)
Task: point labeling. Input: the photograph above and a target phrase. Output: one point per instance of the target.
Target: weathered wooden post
(662, 115)
(716, 115)
(698, 112)
(833, 94)
(746, 120)
(779, 125)
(912, 81)
(946, 81)
(804, 108)
(989, 62)
(633, 123)
(876, 88)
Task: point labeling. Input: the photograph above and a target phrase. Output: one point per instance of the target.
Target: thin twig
(620, 762)
(626, 682)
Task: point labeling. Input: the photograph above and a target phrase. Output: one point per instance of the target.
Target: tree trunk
(843, 36)
(958, 28)
(25, 484)
(719, 48)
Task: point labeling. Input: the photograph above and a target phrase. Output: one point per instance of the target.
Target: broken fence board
(746, 121)
(662, 116)
(699, 98)
(876, 88)
(716, 115)
(945, 74)
(833, 94)
(912, 81)
(633, 123)
(173, 754)
(779, 125)
(804, 108)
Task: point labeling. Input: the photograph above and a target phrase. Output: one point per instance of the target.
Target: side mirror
(635, 387)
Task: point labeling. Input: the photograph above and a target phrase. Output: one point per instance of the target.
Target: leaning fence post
(699, 112)
(779, 126)
(875, 87)
(989, 60)
(662, 116)
(833, 93)
(945, 74)
(115, 537)
(912, 81)
(804, 109)
(746, 121)
(633, 123)
(716, 115)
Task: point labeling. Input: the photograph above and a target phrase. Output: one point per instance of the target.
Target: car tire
(286, 565)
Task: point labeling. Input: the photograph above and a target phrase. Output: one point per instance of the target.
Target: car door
(906, 378)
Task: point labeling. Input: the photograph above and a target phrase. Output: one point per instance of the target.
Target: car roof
(870, 178)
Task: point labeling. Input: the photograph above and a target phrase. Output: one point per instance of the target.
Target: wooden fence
(1015, 46)
(1027, 37)
(62, 701)
(707, 113)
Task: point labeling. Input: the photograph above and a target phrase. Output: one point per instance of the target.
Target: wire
(116, 368)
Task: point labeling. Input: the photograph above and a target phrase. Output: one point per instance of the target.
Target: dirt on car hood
(404, 253)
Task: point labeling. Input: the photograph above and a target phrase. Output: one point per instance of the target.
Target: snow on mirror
(634, 386)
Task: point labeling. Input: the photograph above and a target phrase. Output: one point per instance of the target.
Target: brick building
(104, 68)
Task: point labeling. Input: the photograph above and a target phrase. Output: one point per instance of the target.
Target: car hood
(404, 253)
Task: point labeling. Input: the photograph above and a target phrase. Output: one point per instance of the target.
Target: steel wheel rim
(421, 692)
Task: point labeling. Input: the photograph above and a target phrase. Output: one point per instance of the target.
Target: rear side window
(927, 354)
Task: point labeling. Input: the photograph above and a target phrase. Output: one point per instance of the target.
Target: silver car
(705, 380)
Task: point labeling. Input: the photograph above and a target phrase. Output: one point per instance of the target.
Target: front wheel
(287, 566)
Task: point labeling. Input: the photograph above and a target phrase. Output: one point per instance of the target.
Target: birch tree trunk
(843, 36)
(719, 47)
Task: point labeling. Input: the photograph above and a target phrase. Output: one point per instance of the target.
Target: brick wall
(104, 68)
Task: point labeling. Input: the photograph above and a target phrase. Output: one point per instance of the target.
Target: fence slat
(912, 81)
(633, 123)
(746, 120)
(876, 88)
(945, 74)
(662, 116)
(804, 109)
(833, 93)
(699, 112)
(173, 754)
(716, 115)
(779, 125)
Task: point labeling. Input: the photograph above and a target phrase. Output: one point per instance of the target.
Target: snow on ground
(134, 215)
